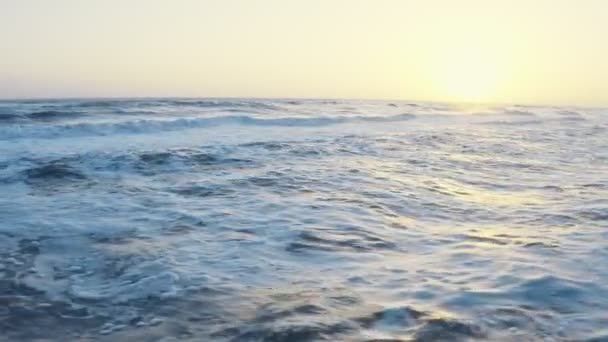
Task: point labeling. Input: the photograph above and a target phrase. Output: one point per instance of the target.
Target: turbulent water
(301, 220)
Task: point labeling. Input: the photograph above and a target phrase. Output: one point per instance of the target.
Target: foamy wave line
(155, 126)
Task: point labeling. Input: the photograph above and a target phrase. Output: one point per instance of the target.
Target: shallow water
(301, 220)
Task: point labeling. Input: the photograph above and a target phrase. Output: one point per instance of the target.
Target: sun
(469, 80)
(469, 75)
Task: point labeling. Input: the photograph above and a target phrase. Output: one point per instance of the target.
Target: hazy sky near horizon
(524, 51)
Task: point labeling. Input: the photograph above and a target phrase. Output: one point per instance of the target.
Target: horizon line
(92, 98)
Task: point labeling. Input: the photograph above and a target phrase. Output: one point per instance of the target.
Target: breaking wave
(142, 126)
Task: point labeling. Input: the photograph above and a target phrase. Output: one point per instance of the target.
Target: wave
(42, 115)
(155, 126)
(519, 113)
(512, 123)
(21, 111)
(51, 114)
(220, 103)
(209, 103)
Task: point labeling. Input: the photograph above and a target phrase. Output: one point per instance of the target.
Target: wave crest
(155, 126)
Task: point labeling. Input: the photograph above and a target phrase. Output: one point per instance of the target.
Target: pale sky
(508, 51)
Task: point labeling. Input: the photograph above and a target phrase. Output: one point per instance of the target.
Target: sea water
(302, 220)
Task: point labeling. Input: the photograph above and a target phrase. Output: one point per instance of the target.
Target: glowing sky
(525, 51)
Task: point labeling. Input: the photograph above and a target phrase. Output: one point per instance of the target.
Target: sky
(490, 51)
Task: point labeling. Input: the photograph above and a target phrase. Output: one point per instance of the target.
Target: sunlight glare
(465, 74)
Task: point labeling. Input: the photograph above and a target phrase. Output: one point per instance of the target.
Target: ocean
(302, 220)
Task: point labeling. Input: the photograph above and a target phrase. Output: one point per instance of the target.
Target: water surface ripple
(301, 220)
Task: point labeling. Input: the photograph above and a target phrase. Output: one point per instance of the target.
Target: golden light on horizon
(471, 64)
(467, 75)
